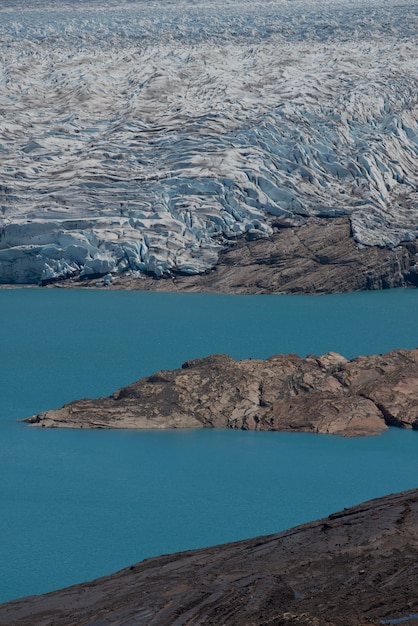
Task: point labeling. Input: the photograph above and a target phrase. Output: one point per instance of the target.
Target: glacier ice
(139, 136)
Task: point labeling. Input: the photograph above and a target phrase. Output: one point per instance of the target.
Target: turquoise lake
(76, 505)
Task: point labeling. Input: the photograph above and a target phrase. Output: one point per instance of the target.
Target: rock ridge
(325, 394)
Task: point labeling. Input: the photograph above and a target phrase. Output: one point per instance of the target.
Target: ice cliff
(139, 136)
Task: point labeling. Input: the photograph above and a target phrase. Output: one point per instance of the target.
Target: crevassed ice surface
(139, 135)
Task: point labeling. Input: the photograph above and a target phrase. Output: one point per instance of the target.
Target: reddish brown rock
(391, 383)
(326, 394)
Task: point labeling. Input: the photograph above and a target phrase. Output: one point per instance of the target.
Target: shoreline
(320, 257)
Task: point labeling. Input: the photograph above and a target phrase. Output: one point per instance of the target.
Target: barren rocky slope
(327, 394)
(353, 568)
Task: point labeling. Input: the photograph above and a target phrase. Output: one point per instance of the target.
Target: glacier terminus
(142, 137)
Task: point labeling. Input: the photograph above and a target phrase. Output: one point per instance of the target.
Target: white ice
(138, 136)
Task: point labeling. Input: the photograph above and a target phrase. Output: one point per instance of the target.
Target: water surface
(80, 504)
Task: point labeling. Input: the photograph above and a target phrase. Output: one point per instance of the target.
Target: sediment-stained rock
(357, 567)
(327, 394)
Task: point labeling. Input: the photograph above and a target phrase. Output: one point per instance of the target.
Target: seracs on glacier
(140, 136)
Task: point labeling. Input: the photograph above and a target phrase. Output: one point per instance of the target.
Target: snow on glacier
(139, 136)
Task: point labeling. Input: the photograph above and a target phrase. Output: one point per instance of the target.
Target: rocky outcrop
(354, 568)
(327, 394)
(319, 257)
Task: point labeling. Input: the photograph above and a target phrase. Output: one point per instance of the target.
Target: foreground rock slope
(327, 394)
(353, 568)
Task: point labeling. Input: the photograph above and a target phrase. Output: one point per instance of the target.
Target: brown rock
(326, 394)
(353, 568)
(390, 382)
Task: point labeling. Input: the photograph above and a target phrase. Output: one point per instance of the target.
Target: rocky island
(357, 567)
(326, 394)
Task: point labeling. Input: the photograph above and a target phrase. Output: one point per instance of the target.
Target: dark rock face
(319, 257)
(326, 394)
(353, 568)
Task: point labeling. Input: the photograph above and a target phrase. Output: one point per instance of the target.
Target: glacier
(141, 137)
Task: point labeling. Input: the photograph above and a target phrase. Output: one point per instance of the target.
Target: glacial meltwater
(76, 505)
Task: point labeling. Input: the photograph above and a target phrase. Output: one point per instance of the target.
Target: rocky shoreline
(319, 257)
(357, 567)
(326, 394)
